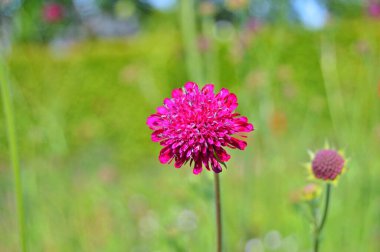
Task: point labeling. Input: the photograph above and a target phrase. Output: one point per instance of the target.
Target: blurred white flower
(254, 245)
(148, 225)
(187, 221)
(272, 240)
(290, 244)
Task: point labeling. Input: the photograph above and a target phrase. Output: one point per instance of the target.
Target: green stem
(13, 150)
(330, 74)
(325, 211)
(319, 228)
(189, 37)
(218, 210)
(210, 56)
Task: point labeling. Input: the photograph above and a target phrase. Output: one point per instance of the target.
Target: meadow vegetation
(92, 180)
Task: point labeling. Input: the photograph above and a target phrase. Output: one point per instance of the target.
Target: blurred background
(85, 75)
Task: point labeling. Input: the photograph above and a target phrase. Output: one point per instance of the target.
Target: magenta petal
(231, 102)
(215, 166)
(249, 127)
(223, 93)
(190, 87)
(196, 171)
(157, 135)
(179, 162)
(241, 120)
(169, 103)
(206, 162)
(197, 168)
(238, 143)
(177, 93)
(222, 154)
(208, 89)
(154, 121)
(162, 110)
(166, 154)
(242, 125)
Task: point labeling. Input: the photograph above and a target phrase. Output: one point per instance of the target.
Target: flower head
(53, 12)
(237, 4)
(311, 192)
(308, 193)
(195, 125)
(327, 164)
(207, 8)
(374, 9)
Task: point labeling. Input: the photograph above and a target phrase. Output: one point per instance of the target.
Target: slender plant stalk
(189, 37)
(319, 228)
(335, 100)
(13, 150)
(210, 56)
(218, 210)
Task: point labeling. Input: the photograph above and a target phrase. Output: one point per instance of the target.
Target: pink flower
(53, 12)
(195, 125)
(374, 9)
(327, 164)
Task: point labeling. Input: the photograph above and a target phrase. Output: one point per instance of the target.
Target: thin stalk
(218, 210)
(210, 55)
(327, 203)
(330, 74)
(189, 37)
(319, 228)
(316, 243)
(13, 151)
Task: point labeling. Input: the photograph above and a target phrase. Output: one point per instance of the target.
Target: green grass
(92, 180)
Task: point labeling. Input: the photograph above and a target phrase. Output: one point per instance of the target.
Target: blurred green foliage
(92, 181)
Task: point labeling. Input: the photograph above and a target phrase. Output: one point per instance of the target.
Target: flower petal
(215, 166)
(177, 93)
(222, 154)
(162, 110)
(223, 93)
(241, 124)
(198, 167)
(231, 102)
(179, 162)
(191, 87)
(208, 89)
(157, 135)
(240, 144)
(154, 121)
(169, 103)
(166, 155)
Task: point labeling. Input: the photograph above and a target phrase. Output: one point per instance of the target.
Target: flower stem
(13, 150)
(327, 201)
(319, 228)
(218, 214)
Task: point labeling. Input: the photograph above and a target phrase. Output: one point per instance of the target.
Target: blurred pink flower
(52, 12)
(203, 44)
(195, 125)
(253, 25)
(374, 9)
(327, 164)
(207, 8)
